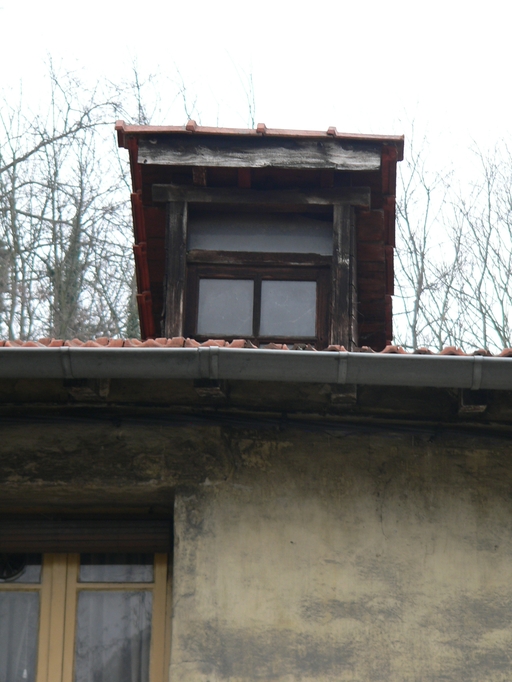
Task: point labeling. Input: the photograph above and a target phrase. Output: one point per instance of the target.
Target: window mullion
(43, 649)
(58, 563)
(158, 621)
(70, 617)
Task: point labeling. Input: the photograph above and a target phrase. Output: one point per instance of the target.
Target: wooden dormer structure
(269, 235)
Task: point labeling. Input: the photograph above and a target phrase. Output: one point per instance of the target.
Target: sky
(370, 67)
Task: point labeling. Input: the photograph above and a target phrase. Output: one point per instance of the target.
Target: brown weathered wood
(341, 327)
(276, 199)
(257, 258)
(353, 317)
(176, 255)
(200, 177)
(260, 152)
(244, 177)
(367, 251)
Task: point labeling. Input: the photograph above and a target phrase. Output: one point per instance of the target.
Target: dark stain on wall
(266, 654)
(366, 609)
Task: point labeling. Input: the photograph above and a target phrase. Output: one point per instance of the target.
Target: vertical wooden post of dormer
(175, 267)
(342, 324)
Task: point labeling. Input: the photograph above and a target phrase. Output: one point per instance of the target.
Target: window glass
(19, 624)
(113, 636)
(225, 307)
(272, 233)
(116, 568)
(288, 308)
(20, 568)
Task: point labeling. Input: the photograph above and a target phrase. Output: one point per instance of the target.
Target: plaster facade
(326, 557)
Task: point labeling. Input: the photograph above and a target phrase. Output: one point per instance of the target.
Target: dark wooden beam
(260, 152)
(358, 196)
(200, 176)
(257, 258)
(176, 258)
(342, 330)
(244, 177)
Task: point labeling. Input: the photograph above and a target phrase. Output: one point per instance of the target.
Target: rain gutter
(473, 372)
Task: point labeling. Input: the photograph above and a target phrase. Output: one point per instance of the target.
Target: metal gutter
(474, 372)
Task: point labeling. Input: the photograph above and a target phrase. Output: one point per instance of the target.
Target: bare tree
(424, 271)
(60, 217)
(485, 216)
(454, 253)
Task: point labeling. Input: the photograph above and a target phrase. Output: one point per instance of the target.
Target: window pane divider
(20, 587)
(157, 661)
(112, 587)
(45, 607)
(57, 616)
(70, 618)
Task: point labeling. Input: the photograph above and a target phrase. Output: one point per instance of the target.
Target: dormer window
(260, 276)
(264, 234)
(295, 285)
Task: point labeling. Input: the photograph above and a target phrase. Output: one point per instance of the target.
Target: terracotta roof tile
(182, 342)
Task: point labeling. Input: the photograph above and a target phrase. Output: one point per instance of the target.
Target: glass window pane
(20, 568)
(113, 636)
(273, 233)
(116, 568)
(19, 624)
(225, 307)
(288, 308)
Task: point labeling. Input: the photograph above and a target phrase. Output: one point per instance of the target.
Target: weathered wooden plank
(370, 252)
(370, 226)
(358, 196)
(200, 177)
(372, 311)
(260, 152)
(176, 255)
(341, 331)
(257, 258)
(371, 288)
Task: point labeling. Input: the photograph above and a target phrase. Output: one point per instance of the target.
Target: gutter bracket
(476, 381)
(65, 358)
(213, 364)
(342, 367)
(209, 386)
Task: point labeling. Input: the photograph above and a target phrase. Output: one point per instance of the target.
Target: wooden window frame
(59, 543)
(258, 274)
(340, 313)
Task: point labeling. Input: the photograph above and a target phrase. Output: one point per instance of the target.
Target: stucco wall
(336, 557)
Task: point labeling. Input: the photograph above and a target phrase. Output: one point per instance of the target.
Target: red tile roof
(182, 342)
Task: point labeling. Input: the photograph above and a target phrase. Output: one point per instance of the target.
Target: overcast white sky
(361, 66)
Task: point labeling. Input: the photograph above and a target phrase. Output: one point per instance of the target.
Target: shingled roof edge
(191, 128)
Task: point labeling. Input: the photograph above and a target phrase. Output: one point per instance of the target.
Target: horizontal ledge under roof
(191, 128)
(244, 364)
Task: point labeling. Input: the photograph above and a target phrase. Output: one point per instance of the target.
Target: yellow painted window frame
(58, 594)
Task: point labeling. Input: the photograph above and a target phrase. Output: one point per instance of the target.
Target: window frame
(276, 269)
(341, 313)
(59, 542)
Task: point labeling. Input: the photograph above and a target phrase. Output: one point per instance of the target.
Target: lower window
(83, 617)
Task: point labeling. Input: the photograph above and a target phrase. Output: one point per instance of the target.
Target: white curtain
(113, 636)
(19, 625)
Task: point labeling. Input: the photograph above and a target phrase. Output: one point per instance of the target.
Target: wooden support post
(175, 266)
(200, 176)
(341, 324)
